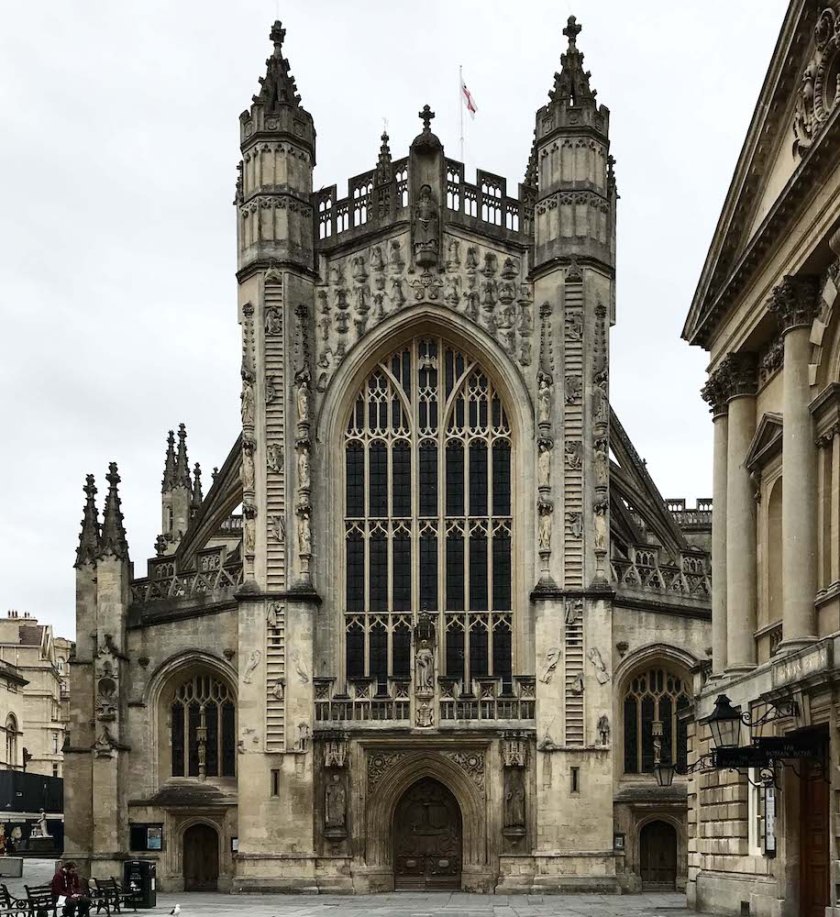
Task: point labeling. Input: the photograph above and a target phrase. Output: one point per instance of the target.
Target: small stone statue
(545, 393)
(552, 657)
(302, 395)
(426, 229)
(247, 399)
(424, 663)
(515, 805)
(335, 803)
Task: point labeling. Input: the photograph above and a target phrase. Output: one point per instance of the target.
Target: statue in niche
(472, 260)
(359, 272)
(376, 261)
(336, 275)
(510, 269)
(303, 466)
(544, 446)
(600, 509)
(490, 265)
(248, 466)
(378, 307)
(424, 669)
(397, 294)
(471, 310)
(526, 323)
(395, 258)
(335, 803)
(552, 657)
(525, 353)
(274, 458)
(574, 454)
(249, 528)
(545, 394)
(488, 299)
(452, 296)
(304, 532)
(302, 394)
(545, 508)
(602, 462)
(426, 229)
(342, 322)
(574, 326)
(247, 397)
(273, 321)
(515, 802)
(453, 256)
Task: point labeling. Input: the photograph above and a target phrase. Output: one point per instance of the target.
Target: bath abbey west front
(433, 623)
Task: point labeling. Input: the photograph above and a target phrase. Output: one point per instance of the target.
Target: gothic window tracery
(654, 696)
(427, 514)
(203, 729)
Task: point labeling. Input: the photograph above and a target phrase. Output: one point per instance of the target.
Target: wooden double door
(427, 838)
(814, 840)
(201, 858)
(658, 856)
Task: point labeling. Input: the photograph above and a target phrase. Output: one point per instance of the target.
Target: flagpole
(461, 105)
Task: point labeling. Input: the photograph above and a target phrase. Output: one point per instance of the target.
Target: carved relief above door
(427, 838)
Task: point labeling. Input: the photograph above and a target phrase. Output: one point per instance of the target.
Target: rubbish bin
(140, 876)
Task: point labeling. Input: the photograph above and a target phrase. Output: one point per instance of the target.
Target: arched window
(11, 740)
(427, 514)
(203, 731)
(655, 696)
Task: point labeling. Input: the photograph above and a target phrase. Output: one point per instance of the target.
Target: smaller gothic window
(654, 697)
(203, 729)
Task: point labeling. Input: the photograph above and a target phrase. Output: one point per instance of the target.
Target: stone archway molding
(461, 772)
(654, 654)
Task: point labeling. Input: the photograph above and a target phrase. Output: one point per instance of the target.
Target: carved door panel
(427, 838)
(201, 859)
(814, 842)
(658, 855)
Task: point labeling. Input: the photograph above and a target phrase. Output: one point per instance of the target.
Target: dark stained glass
(177, 740)
(379, 657)
(355, 652)
(501, 478)
(454, 571)
(647, 733)
(228, 739)
(401, 547)
(478, 572)
(428, 478)
(355, 572)
(501, 571)
(503, 656)
(211, 717)
(682, 733)
(378, 472)
(454, 479)
(378, 572)
(193, 714)
(478, 652)
(478, 478)
(428, 572)
(402, 652)
(631, 736)
(455, 653)
(401, 480)
(355, 479)
(667, 718)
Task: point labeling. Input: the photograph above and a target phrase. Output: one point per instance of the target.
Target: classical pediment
(784, 154)
(767, 442)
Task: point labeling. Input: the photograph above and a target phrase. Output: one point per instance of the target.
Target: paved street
(405, 904)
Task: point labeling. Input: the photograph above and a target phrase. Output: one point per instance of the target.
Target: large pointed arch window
(655, 696)
(427, 515)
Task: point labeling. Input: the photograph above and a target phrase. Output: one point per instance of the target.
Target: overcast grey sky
(117, 166)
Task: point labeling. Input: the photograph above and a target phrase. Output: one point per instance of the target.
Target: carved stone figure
(574, 524)
(573, 610)
(302, 394)
(472, 300)
(600, 509)
(278, 528)
(253, 662)
(358, 269)
(249, 528)
(472, 260)
(303, 466)
(274, 614)
(247, 397)
(574, 326)
(43, 830)
(248, 466)
(395, 257)
(515, 803)
(377, 262)
(300, 668)
(397, 294)
(273, 321)
(573, 389)
(424, 669)
(425, 715)
(545, 394)
(552, 657)
(601, 673)
(604, 729)
(490, 265)
(602, 462)
(335, 803)
(574, 454)
(304, 531)
(545, 508)
(544, 446)
(274, 458)
(577, 685)
(278, 691)
(302, 743)
(426, 235)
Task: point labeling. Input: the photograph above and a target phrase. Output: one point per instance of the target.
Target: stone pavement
(404, 904)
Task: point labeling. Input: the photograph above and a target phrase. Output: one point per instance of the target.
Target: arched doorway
(427, 838)
(658, 856)
(201, 858)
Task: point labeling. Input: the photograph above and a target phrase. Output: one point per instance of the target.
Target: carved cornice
(795, 302)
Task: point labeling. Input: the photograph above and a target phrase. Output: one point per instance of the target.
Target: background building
(432, 583)
(764, 309)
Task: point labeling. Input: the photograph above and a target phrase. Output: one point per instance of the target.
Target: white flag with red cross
(468, 99)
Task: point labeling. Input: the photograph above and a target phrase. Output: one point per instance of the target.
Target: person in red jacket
(65, 884)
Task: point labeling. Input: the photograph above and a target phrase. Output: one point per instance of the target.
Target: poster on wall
(770, 821)
(154, 838)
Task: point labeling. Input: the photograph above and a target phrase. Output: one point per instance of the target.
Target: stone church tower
(433, 583)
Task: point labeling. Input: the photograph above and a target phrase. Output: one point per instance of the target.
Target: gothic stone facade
(764, 309)
(433, 584)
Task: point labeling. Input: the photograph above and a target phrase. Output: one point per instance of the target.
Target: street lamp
(664, 773)
(725, 723)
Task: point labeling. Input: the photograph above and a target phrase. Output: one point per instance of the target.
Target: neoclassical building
(433, 623)
(765, 311)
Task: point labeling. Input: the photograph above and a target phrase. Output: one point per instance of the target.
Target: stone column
(738, 372)
(794, 303)
(714, 392)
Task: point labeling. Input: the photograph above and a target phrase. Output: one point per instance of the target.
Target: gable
(766, 443)
(775, 158)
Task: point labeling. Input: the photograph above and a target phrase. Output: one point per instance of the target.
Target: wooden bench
(108, 894)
